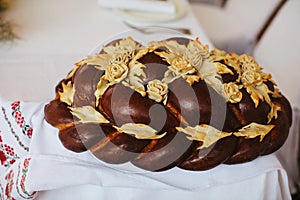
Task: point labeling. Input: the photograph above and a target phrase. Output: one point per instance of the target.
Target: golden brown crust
(81, 137)
(164, 153)
(205, 159)
(280, 133)
(58, 115)
(118, 148)
(85, 84)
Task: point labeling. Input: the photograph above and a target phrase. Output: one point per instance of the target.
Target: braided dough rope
(169, 103)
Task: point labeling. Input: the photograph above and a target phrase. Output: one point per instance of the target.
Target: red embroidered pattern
(13, 131)
(7, 154)
(23, 179)
(17, 114)
(9, 185)
(1, 192)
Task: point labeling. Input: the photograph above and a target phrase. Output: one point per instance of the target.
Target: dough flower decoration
(191, 62)
(140, 131)
(224, 59)
(67, 93)
(184, 61)
(120, 63)
(116, 71)
(232, 92)
(157, 90)
(249, 76)
(133, 80)
(88, 114)
(209, 135)
(254, 80)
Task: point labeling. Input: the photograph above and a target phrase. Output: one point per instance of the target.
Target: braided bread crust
(171, 103)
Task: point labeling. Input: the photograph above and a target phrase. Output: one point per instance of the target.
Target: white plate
(181, 10)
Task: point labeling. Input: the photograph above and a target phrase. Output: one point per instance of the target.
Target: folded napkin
(158, 6)
(33, 159)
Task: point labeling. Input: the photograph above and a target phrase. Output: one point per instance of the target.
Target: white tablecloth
(53, 36)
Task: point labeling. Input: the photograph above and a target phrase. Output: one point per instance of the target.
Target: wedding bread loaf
(169, 103)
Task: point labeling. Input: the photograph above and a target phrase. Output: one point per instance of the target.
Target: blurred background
(45, 38)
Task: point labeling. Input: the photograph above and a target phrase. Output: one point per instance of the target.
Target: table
(55, 35)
